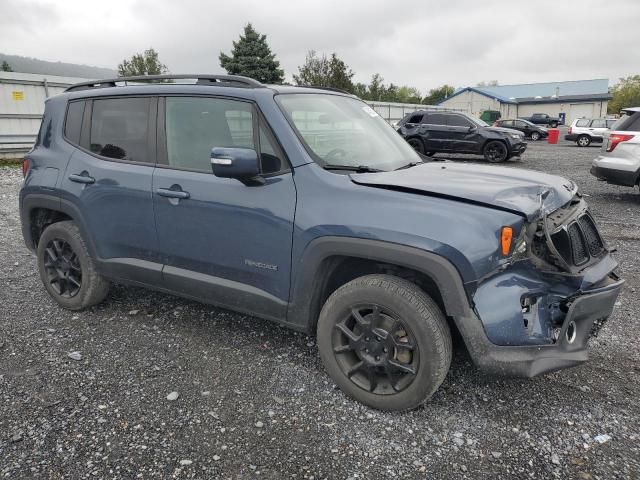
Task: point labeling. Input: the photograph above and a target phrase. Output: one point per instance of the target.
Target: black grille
(591, 235)
(579, 241)
(578, 249)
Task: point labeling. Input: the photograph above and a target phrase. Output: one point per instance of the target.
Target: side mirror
(236, 162)
(472, 128)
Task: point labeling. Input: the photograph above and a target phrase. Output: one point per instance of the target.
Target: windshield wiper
(409, 165)
(354, 168)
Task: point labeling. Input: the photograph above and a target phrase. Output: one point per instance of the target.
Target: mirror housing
(236, 162)
(472, 128)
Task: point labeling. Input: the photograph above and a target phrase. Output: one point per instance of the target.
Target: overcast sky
(421, 43)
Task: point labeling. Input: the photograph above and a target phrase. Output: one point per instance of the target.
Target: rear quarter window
(73, 121)
(628, 123)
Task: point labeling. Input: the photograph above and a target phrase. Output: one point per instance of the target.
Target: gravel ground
(152, 386)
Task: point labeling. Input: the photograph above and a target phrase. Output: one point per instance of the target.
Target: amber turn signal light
(506, 236)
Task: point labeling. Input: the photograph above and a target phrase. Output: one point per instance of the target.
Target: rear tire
(495, 152)
(66, 269)
(416, 144)
(583, 141)
(384, 342)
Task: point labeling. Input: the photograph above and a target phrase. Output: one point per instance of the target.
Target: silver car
(619, 160)
(585, 131)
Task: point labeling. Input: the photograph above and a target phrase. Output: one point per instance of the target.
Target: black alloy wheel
(535, 136)
(62, 267)
(495, 152)
(376, 350)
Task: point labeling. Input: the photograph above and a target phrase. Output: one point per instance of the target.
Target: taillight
(25, 166)
(570, 130)
(616, 138)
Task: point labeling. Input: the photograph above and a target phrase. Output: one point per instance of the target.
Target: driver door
(222, 241)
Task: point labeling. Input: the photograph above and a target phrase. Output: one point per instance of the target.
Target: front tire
(535, 136)
(495, 152)
(384, 342)
(583, 141)
(66, 269)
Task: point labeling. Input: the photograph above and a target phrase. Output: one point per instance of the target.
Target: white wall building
(574, 99)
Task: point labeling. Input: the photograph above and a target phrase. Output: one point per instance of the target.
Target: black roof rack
(217, 80)
(330, 89)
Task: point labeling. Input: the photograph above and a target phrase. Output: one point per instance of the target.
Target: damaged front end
(556, 288)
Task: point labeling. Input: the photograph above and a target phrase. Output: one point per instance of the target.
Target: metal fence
(394, 112)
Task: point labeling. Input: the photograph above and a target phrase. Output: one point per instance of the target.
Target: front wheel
(554, 124)
(495, 152)
(535, 136)
(584, 141)
(384, 342)
(66, 269)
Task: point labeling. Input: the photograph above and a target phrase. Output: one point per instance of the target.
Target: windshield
(345, 131)
(478, 121)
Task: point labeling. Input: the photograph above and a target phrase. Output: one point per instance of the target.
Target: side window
(119, 128)
(415, 118)
(598, 123)
(634, 125)
(458, 121)
(436, 119)
(506, 123)
(610, 122)
(583, 122)
(73, 121)
(520, 124)
(195, 125)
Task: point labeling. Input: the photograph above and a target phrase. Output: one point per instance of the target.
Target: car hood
(517, 190)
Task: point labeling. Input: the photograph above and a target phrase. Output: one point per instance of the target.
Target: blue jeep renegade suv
(303, 206)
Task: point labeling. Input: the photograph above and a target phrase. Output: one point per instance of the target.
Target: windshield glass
(341, 130)
(477, 121)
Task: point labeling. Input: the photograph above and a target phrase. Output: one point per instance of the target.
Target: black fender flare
(308, 273)
(31, 201)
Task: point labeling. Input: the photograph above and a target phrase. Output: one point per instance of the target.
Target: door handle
(166, 192)
(82, 178)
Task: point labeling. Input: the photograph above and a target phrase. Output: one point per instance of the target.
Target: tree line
(252, 57)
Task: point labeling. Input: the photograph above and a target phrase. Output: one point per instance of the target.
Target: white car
(619, 160)
(585, 131)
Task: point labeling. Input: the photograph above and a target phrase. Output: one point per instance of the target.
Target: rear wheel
(66, 269)
(535, 136)
(584, 141)
(495, 152)
(416, 144)
(384, 341)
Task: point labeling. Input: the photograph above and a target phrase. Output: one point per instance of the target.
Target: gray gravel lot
(254, 402)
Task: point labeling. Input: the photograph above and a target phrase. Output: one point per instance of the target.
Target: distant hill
(33, 65)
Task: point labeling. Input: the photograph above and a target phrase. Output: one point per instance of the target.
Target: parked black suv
(431, 132)
(303, 206)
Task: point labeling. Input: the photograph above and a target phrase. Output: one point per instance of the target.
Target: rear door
(222, 241)
(434, 132)
(108, 179)
(598, 127)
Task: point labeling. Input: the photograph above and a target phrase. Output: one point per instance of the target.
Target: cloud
(424, 44)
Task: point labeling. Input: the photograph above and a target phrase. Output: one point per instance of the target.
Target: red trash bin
(554, 134)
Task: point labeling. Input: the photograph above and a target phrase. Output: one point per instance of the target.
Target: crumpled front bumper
(585, 308)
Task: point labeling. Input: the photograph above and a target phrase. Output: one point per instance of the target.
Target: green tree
(408, 94)
(436, 95)
(6, 67)
(252, 57)
(146, 63)
(626, 93)
(323, 71)
(376, 89)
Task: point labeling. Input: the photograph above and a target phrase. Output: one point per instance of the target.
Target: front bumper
(585, 308)
(518, 148)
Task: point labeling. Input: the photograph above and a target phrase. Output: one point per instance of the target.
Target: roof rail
(217, 80)
(330, 89)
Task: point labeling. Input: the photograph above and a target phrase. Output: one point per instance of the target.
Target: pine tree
(252, 57)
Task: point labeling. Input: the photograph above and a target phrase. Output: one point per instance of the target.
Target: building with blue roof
(571, 99)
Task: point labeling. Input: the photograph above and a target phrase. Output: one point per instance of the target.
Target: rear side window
(583, 122)
(73, 121)
(119, 128)
(435, 119)
(598, 123)
(631, 123)
(505, 123)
